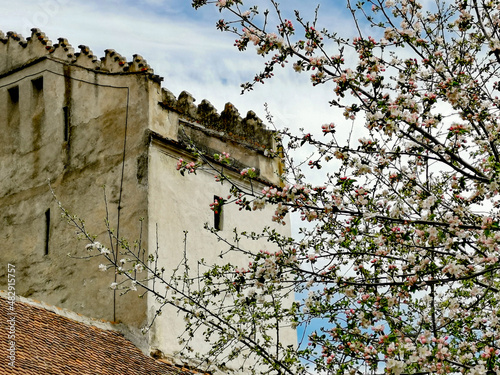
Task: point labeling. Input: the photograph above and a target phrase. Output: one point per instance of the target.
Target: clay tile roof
(48, 343)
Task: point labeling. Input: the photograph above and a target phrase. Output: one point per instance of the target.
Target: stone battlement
(17, 52)
(249, 130)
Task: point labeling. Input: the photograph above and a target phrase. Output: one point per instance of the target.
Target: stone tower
(86, 123)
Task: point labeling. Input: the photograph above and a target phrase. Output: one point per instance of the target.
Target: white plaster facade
(65, 117)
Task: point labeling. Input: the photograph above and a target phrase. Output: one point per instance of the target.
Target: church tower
(108, 137)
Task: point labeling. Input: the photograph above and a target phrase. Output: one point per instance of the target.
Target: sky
(183, 46)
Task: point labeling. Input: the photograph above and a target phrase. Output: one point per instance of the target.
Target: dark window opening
(11, 136)
(66, 123)
(37, 110)
(47, 231)
(38, 84)
(14, 94)
(217, 208)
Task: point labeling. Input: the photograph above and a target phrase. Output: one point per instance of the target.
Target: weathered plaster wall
(72, 132)
(179, 204)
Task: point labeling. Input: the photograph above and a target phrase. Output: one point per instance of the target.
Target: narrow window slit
(66, 123)
(47, 231)
(217, 208)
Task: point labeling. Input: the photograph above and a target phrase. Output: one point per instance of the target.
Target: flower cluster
(223, 157)
(223, 3)
(286, 28)
(216, 205)
(328, 128)
(190, 167)
(249, 172)
(98, 247)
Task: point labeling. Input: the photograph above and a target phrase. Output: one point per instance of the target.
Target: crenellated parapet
(249, 130)
(63, 50)
(16, 52)
(139, 64)
(86, 58)
(114, 62)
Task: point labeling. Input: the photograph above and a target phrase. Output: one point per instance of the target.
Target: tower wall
(179, 206)
(65, 123)
(108, 138)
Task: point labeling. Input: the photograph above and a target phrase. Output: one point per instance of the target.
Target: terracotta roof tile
(48, 343)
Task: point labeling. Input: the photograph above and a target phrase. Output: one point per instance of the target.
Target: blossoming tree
(399, 262)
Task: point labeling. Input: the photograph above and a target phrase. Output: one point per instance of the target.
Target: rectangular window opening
(37, 84)
(47, 231)
(217, 208)
(14, 94)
